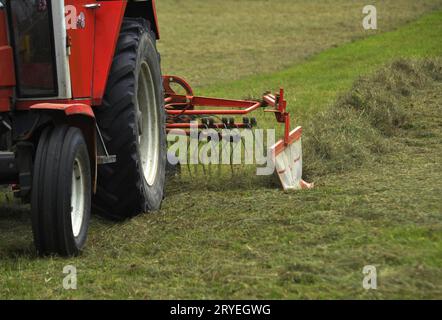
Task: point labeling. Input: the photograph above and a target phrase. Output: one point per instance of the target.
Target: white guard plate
(288, 162)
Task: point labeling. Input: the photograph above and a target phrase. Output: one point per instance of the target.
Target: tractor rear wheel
(61, 192)
(132, 122)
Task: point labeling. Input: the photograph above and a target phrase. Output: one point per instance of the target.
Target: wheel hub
(77, 198)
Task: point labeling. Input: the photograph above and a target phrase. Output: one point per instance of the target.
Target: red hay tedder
(84, 113)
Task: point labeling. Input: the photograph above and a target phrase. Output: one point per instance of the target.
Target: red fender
(69, 109)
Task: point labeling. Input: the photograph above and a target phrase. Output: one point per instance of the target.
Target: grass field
(240, 237)
(213, 42)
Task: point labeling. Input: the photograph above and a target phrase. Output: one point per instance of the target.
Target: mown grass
(212, 42)
(240, 237)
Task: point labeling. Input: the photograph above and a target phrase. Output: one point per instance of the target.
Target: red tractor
(84, 111)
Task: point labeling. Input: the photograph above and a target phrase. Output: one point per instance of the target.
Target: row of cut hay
(358, 127)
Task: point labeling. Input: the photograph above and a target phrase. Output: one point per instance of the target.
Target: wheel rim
(148, 124)
(77, 198)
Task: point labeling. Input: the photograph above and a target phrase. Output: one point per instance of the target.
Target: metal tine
(244, 145)
(231, 157)
(199, 144)
(219, 163)
(188, 160)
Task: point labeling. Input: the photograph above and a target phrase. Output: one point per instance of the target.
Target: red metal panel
(7, 72)
(3, 30)
(108, 21)
(154, 13)
(81, 39)
(5, 102)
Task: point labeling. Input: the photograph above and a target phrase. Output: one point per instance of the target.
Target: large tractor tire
(61, 192)
(132, 122)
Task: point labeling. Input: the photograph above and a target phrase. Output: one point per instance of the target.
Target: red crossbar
(242, 107)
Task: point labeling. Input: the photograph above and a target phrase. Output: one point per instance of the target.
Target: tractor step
(103, 156)
(106, 159)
